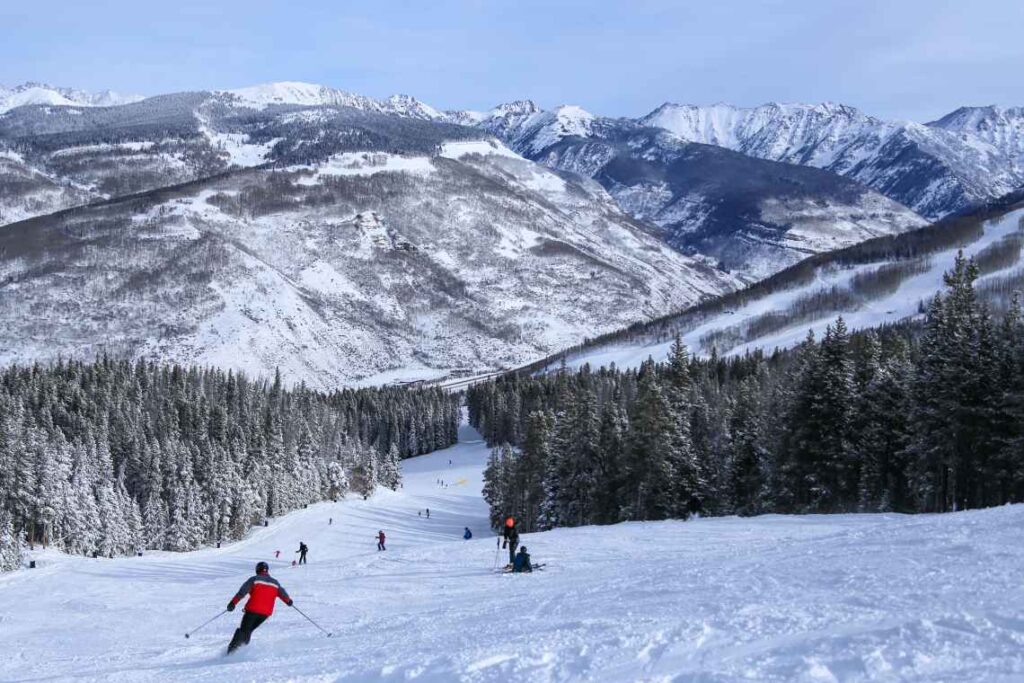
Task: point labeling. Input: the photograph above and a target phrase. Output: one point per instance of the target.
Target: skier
(522, 562)
(511, 535)
(467, 534)
(380, 540)
(428, 513)
(262, 590)
(277, 554)
(303, 549)
(330, 521)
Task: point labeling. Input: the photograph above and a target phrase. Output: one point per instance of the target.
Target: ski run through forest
(772, 598)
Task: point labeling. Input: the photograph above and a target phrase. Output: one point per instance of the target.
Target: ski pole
(497, 550)
(329, 634)
(204, 624)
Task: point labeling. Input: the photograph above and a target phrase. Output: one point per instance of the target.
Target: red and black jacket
(263, 590)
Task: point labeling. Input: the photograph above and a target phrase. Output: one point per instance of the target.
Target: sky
(903, 59)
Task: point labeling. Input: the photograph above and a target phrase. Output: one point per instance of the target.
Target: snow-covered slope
(874, 284)
(361, 268)
(312, 95)
(109, 152)
(1001, 127)
(935, 170)
(40, 93)
(752, 216)
(772, 599)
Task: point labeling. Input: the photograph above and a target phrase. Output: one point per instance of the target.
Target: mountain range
(348, 239)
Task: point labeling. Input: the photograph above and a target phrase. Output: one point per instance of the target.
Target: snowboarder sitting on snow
(303, 549)
(522, 562)
(262, 590)
(467, 534)
(380, 540)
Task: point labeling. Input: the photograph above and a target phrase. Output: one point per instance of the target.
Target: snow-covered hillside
(754, 216)
(936, 169)
(867, 292)
(313, 95)
(40, 93)
(771, 599)
(365, 267)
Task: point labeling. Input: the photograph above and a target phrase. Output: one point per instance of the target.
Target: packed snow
(773, 598)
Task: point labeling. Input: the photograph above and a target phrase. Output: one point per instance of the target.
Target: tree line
(111, 457)
(923, 417)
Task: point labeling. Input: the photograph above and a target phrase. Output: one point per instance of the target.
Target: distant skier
(467, 534)
(277, 554)
(511, 536)
(262, 590)
(428, 513)
(303, 549)
(330, 521)
(380, 540)
(522, 562)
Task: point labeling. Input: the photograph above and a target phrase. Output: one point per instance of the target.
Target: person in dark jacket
(522, 562)
(380, 540)
(303, 549)
(467, 534)
(263, 590)
(512, 541)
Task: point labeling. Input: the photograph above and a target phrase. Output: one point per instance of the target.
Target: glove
(231, 606)
(291, 603)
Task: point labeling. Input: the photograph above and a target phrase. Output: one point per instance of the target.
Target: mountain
(312, 95)
(40, 93)
(100, 153)
(1001, 127)
(343, 267)
(934, 169)
(751, 216)
(883, 281)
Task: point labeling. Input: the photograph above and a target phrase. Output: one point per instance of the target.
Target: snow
(901, 304)
(295, 93)
(365, 164)
(774, 598)
(460, 149)
(240, 151)
(39, 93)
(314, 95)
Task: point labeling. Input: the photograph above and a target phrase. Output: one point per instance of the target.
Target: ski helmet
(262, 568)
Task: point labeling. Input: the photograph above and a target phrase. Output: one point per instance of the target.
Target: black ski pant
(380, 545)
(250, 622)
(512, 546)
(302, 558)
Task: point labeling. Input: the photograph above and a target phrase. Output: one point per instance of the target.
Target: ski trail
(773, 598)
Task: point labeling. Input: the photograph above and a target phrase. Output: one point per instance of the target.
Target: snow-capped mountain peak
(32, 93)
(298, 93)
(1001, 127)
(410, 107)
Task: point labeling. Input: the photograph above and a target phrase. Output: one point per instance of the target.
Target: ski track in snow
(773, 598)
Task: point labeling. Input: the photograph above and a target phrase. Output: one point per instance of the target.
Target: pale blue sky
(914, 59)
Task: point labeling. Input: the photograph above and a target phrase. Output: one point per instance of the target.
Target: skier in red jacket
(263, 590)
(380, 540)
